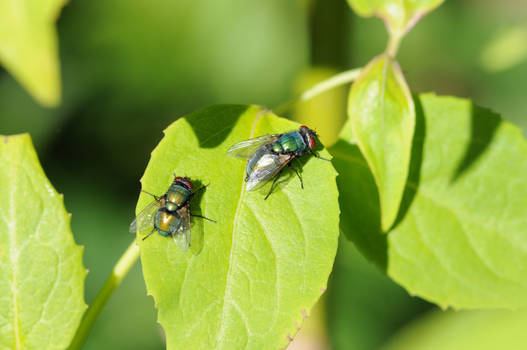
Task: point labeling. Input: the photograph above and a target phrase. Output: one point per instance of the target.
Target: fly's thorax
(292, 142)
(166, 222)
(176, 197)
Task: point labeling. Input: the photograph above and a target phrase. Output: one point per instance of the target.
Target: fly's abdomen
(166, 222)
(291, 142)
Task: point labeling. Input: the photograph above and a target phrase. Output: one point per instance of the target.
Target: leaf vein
(241, 201)
(13, 252)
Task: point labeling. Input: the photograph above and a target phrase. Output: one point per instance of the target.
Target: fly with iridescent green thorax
(269, 154)
(170, 213)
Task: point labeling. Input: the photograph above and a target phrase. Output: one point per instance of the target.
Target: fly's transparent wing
(266, 168)
(247, 148)
(145, 219)
(182, 234)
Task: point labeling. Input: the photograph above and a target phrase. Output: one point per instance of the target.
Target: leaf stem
(393, 43)
(119, 271)
(328, 84)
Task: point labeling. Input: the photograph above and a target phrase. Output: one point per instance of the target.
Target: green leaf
(382, 115)
(460, 238)
(249, 280)
(398, 15)
(28, 46)
(41, 271)
(481, 330)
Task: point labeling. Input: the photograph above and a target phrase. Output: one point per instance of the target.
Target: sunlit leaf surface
(460, 238)
(382, 115)
(41, 271)
(249, 280)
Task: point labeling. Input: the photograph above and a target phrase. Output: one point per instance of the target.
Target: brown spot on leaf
(304, 313)
(296, 326)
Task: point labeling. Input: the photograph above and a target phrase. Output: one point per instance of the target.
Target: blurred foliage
(28, 46)
(399, 16)
(364, 306)
(505, 50)
(481, 330)
(130, 68)
(324, 113)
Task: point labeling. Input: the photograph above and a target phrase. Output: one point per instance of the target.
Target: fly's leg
(148, 235)
(274, 183)
(199, 189)
(297, 174)
(317, 156)
(203, 217)
(150, 194)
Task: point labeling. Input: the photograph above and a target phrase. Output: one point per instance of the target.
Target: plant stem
(336, 80)
(120, 270)
(393, 43)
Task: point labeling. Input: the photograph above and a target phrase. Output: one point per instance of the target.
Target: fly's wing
(247, 148)
(145, 219)
(182, 234)
(267, 167)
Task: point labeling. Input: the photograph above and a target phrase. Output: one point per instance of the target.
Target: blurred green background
(131, 68)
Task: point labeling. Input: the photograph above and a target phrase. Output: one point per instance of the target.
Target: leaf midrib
(234, 229)
(13, 254)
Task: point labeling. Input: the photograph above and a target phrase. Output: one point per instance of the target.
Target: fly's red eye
(304, 127)
(312, 142)
(184, 180)
(188, 183)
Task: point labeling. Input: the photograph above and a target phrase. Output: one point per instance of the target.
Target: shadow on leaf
(416, 160)
(197, 237)
(359, 199)
(209, 134)
(359, 203)
(483, 126)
